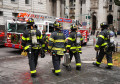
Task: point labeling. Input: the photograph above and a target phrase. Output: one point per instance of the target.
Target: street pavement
(15, 70)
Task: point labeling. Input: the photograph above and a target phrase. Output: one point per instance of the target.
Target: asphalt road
(14, 69)
(8, 52)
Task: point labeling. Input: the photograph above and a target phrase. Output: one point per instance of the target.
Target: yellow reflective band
(35, 47)
(81, 39)
(79, 47)
(54, 48)
(34, 71)
(98, 62)
(97, 46)
(26, 47)
(78, 64)
(79, 51)
(49, 47)
(28, 38)
(57, 71)
(51, 39)
(71, 39)
(59, 40)
(110, 64)
(73, 47)
(38, 37)
(68, 46)
(104, 44)
(23, 38)
(105, 38)
(43, 45)
(101, 36)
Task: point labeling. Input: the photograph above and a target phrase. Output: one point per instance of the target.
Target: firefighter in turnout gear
(31, 41)
(57, 47)
(105, 45)
(74, 46)
(45, 40)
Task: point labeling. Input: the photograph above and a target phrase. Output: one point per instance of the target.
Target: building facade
(89, 12)
(10, 8)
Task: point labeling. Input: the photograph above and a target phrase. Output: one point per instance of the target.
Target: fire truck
(66, 29)
(16, 27)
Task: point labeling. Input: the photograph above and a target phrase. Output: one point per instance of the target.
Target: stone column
(62, 8)
(77, 9)
(67, 9)
(58, 9)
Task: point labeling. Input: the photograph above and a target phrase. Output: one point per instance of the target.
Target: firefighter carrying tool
(105, 46)
(57, 47)
(74, 46)
(31, 41)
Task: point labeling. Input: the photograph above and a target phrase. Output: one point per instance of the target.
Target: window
(11, 27)
(21, 27)
(13, 0)
(110, 7)
(40, 2)
(26, 1)
(1, 13)
(15, 14)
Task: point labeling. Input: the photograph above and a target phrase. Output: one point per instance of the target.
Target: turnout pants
(77, 57)
(33, 57)
(56, 59)
(101, 55)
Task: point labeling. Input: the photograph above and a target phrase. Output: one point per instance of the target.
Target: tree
(117, 2)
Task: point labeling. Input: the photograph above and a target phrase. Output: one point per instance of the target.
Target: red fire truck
(15, 28)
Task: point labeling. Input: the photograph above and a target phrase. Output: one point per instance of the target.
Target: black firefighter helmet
(73, 27)
(30, 21)
(104, 25)
(57, 25)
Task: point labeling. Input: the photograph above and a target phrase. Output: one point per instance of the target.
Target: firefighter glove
(97, 48)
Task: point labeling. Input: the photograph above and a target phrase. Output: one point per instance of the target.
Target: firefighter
(31, 40)
(57, 47)
(74, 46)
(45, 40)
(105, 46)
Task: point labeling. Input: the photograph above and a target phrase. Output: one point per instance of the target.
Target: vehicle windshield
(11, 27)
(51, 28)
(21, 28)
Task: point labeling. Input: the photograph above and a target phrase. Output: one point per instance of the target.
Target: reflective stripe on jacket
(57, 42)
(26, 40)
(71, 45)
(102, 39)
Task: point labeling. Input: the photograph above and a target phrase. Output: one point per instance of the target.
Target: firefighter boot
(33, 75)
(108, 67)
(78, 68)
(94, 63)
(57, 74)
